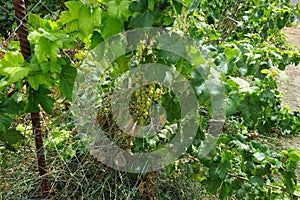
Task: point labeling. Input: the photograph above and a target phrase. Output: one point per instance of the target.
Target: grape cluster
(143, 98)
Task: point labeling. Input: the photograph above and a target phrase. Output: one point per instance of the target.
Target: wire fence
(13, 23)
(19, 170)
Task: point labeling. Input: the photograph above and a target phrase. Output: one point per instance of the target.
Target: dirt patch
(292, 88)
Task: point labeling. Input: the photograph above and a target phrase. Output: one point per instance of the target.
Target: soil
(291, 88)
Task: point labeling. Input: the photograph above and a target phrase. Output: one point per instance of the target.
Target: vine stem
(22, 30)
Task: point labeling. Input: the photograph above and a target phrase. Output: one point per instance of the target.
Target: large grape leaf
(138, 6)
(145, 19)
(45, 49)
(5, 122)
(9, 106)
(11, 67)
(39, 79)
(72, 13)
(37, 22)
(16, 73)
(251, 109)
(40, 96)
(66, 81)
(85, 23)
(11, 59)
(111, 26)
(11, 136)
(119, 9)
(80, 17)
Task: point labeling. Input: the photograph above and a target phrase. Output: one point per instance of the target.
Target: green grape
(145, 96)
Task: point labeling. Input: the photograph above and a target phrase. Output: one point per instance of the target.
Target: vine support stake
(20, 13)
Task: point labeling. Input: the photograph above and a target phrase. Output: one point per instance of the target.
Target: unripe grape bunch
(144, 97)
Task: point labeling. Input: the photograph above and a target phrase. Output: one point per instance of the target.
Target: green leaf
(119, 9)
(11, 59)
(72, 13)
(293, 155)
(225, 191)
(243, 84)
(213, 186)
(72, 26)
(37, 22)
(5, 122)
(39, 79)
(46, 49)
(34, 36)
(11, 66)
(145, 19)
(85, 23)
(66, 81)
(138, 6)
(222, 170)
(50, 66)
(16, 73)
(96, 39)
(10, 106)
(111, 27)
(123, 63)
(230, 51)
(259, 156)
(288, 181)
(40, 96)
(231, 106)
(257, 180)
(251, 109)
(12, 136)
(196, 58)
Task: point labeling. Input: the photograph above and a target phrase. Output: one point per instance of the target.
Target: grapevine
(243, 41)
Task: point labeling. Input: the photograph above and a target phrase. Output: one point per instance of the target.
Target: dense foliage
(241, 38)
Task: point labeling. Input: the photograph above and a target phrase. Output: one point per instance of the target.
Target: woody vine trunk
(22, 30)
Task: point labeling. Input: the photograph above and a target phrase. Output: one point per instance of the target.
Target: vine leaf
(37, 22)
(12, 136)
(80, 17)
(66, 81)
(15, 73)
(72, 13)
(5, 122)
(138, 6)
(40, 78)
(52, 67)
(11, 66)
(46, 49)
(145, 19)
(119, 10)
(11, 59)
(85, 25)
(111, 27)
(40, 96)
(10, 106)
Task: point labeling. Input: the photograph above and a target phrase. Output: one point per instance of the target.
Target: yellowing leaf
(11, 59)
(16, 73)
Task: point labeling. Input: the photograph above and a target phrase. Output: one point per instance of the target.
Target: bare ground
(291, 89)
